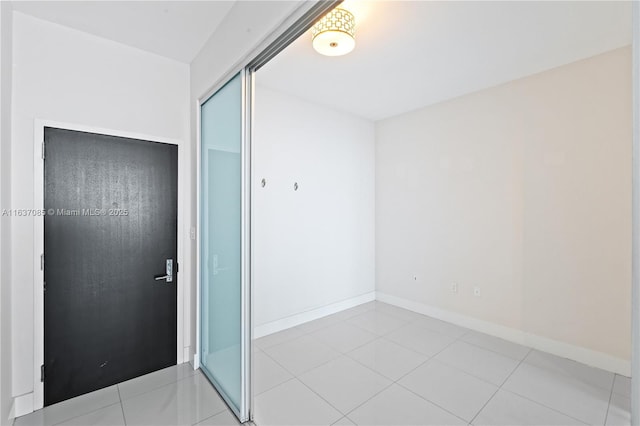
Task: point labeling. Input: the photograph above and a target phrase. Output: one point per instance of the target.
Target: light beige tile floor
(375, 364)
(404, 368)
(172, 396)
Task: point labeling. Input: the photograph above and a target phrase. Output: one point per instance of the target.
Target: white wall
(523, 190)
(68, 76)
(6, 28)
(313, 247)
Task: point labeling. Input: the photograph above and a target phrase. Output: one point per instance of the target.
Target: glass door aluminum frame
(299, 22)
(243, 411)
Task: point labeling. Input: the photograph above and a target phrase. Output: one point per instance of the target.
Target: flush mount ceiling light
(333, 35)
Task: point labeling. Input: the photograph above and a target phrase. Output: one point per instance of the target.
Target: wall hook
(295, 186)
(263, 182)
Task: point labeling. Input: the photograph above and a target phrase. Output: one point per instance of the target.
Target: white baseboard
(297, 319)
(555, 347)
(22, 405)
(196, 361)
(186, 354)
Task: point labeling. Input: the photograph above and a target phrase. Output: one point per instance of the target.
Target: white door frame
(38, 239)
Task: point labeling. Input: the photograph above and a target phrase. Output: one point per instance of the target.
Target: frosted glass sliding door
(224, 305)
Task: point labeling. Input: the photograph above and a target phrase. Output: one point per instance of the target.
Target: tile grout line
(321, 397)
(207, 418)
(274, 386)
(459, 338)
(322, 322)
(429, 359)
(406, 322)
(529, 399)
(396, 382)
(306, 332)
(345, 417)
(499, 388)
(295, 377)
(420, 396)
(84, 414)
(391, 382)
(431, 402)
(388, 341)
(352, 314)
(473, 375)
(323, 306)
(367, 400)
(377, 336)
(79, 415)
(114, 403)
(566, 374)
(263, 349)
(421, 353)
(157, 387)
(350, 411)
(519, 361)
(514, 370)
(383, 337)
(312, 368)
(606, 417)
(545, 406)
(541, 403)
(124, 418)
(496, 352)
(346, 321)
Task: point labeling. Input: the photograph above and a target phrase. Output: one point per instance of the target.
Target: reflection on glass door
(224, 346)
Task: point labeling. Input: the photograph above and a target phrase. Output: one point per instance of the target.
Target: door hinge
(177, 267)
(42, 373)
(43, 150)
(42, 262)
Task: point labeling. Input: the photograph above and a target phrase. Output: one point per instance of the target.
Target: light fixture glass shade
(333, 35)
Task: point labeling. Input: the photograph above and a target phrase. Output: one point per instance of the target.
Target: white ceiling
(174, 29)
(411, 54)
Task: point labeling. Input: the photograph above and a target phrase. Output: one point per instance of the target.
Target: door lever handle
(168, 272)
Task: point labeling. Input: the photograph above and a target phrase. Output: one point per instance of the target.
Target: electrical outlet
(193, 233)
(454, 288)
(476, 291)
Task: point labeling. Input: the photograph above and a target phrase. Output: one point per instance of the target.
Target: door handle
(168, 272)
